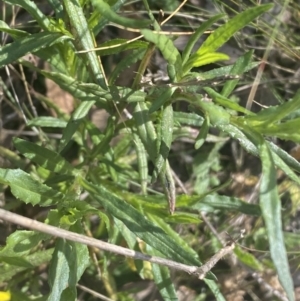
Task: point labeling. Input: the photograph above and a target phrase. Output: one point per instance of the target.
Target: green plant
(45, 178)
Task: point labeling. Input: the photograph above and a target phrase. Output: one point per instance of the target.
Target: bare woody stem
(57, 232)
(199, 272)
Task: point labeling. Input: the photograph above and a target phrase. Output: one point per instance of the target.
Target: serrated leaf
(21, 243)
(28, 190)
(225, 32)
(167, 48)
(67, 265)
(7, 271)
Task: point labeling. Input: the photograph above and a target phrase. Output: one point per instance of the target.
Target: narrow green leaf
(178, 240)
(74, 123)
(248, 259)
(281, 158)
(110, 15)
(82, 110)
(100, 20)
(14, 33)
(285, 157)
(145, 129)
(198, 60)
(225, 32)
(211, 202)
(196, 35)
(104, 146)
(132, 242)
(168, 184)
(202, 134)
(282, 161)
(176, 237)
(44, 157)
(239, 67)
(155, 24)
(217, 114)
(182, 218)
(285, 130)
(270, 205)
(68, 133)
(275, 113)
(188, 118)
(139, 225)
(271, 209)
(28, 190)
(12, 157)
(167, 48)
(161, 99)
(84, 39)
(225, 102)
(142, 162)
(224, 71)
(36, 259)
(47, 121)
(15, 50)
(215, 289)
(162, 278)
(166, 137)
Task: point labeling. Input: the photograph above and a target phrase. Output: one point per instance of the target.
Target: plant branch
(65, 234)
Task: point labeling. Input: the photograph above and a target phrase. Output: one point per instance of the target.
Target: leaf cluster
(107, 169)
